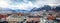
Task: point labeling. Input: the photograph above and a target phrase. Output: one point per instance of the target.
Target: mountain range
(45, 7)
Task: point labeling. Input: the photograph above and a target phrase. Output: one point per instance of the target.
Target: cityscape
(29, 11)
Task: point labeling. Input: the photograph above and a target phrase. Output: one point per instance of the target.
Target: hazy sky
(27, 4)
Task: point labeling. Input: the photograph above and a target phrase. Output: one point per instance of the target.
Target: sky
(27, 4)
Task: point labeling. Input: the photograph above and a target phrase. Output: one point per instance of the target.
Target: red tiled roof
(3, 16)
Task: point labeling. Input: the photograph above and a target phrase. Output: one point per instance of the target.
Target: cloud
(14, 5)
(27, 4)
(24, 6)
(3, 4)
(46, 2)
